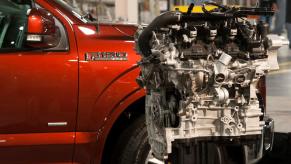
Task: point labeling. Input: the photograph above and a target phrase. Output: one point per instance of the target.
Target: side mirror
(42, 31)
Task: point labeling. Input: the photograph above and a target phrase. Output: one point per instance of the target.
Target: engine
(201, 72)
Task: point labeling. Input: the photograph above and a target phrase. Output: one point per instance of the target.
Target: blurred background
(144, 11)
(139, 11)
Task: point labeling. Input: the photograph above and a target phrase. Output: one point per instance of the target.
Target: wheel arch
(128, 116)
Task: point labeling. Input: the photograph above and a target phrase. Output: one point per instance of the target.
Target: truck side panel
(106, 84)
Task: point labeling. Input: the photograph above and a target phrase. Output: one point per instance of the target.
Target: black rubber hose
(190, 8)
(163, 20)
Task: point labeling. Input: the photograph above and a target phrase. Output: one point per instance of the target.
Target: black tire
(132, 146)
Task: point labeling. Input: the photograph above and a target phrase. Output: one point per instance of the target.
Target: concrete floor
(279, 92)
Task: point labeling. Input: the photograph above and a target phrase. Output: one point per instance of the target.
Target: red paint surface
(17, 148)
(34, 139)
(39, 87)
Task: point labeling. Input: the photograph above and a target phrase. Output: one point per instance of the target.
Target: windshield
(74, 9)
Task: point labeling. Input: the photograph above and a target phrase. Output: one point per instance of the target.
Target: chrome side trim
(57, 123)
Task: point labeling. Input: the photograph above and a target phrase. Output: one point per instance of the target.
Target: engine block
(201, 73)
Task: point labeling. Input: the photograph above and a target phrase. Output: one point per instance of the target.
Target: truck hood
(117, 31)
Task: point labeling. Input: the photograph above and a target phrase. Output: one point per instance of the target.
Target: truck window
(13, 22)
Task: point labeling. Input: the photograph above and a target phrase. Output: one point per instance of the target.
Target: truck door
(38, 90)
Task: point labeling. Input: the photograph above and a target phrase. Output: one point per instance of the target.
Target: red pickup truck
(68, 90)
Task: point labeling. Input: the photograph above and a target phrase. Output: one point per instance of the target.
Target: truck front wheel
(132, 146)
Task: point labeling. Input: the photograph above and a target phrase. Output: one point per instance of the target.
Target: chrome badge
(106, 56)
